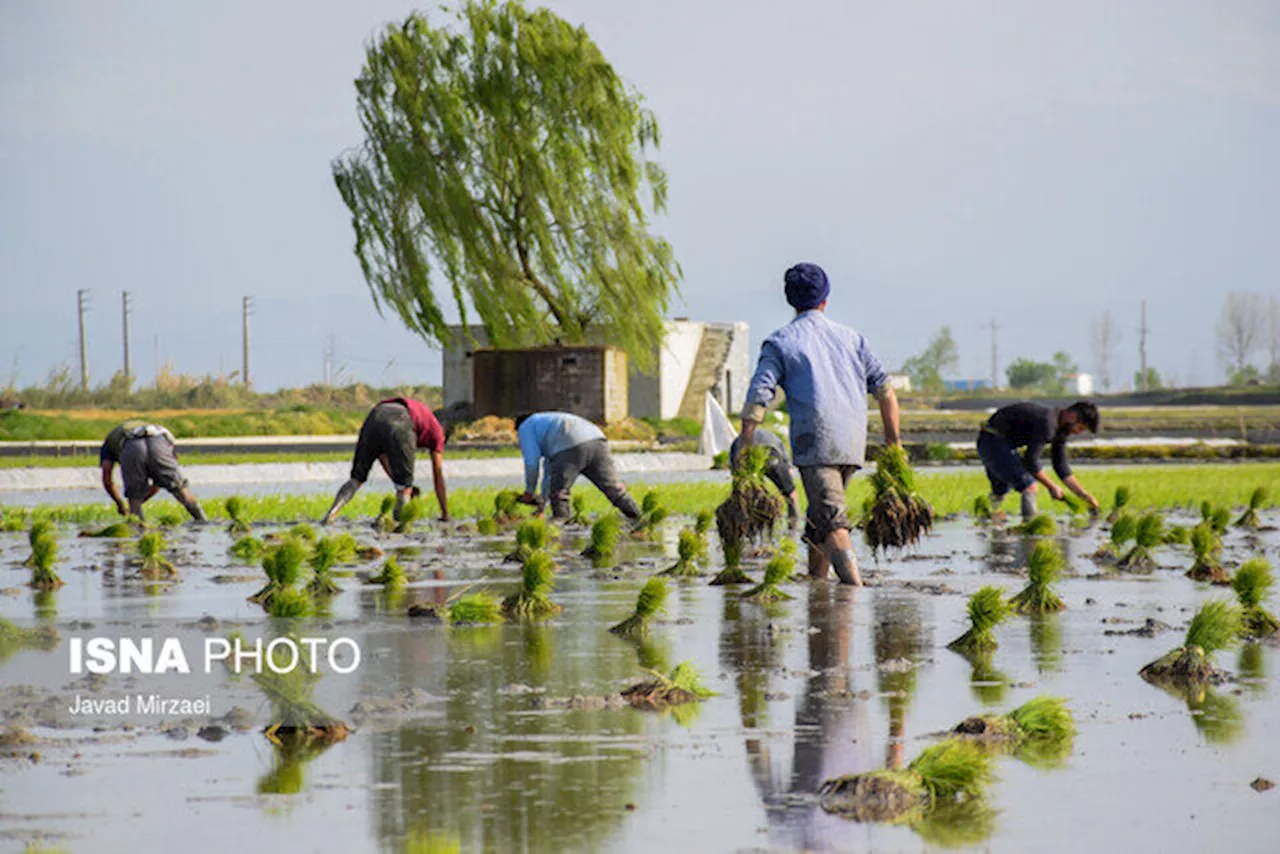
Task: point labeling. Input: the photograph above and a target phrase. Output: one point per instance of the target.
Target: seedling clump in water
(239, 519)
(1148, 534)
(283, 565)
(987, 609)
(44, 554)
(290, 603)
(604, 540)
(578, 511)
(1206, 545)
(248, 549)
(152, 561)
(532, 535)
(776, 571)
(982, 511)
(384, 522)
(1044, 567)
(391, 575)
(1039, 525)
(1215, 627)
(533, 600)
(682, 685)
(120, 530)
(952, 771)
(686, 564)
(327, 553)
(1040, 730)
(1253, 582)
(476, 608)
(411, 512)
(896, 515)
(1123, 530)
(652, 513)
(1257, 500)
(652, 599)
(751, 512)
(295, 718)
(1121, 500)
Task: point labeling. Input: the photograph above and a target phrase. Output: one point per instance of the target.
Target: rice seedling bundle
(896, 515)
(751, 512)
(391, 575)
(290, 603)
(1217, 518)
(951, 771)
(578, 510)
(682, 685)
(325, 556)
(1257, 500)
(478, 607)
(1040, 525)
(1206, 546)
(1177, 535)
(384, 522)
(652, 511)
(533, 600)
(120, 530)
(1215, 627)
(987, 609)
(533, 535)
(1146, 536)
(777, 571)
(486, 526)
(152, 561)
(303, 533)
(603, 540)
(688, 548)
(1043, 718)
(44, 554)
(236, 512)
(1119, 502)
(1123, 530)
(295, 717)
(1252, 583)
(982, 510)
(506, 506)
(1044, 567)
(41, 529)
(652, 599)
(411, 512)
(283, 565)
(248, 549)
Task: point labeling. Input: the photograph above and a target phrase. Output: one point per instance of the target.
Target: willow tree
(505, 159)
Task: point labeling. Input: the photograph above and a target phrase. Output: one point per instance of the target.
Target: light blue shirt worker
(545, 434)
(827, 371)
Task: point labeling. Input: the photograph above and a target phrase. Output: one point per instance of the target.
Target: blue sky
(948, 163)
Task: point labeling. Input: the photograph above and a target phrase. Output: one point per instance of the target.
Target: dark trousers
(592, 461)
(1005, 468)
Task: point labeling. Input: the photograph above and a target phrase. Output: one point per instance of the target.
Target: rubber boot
(845, 563)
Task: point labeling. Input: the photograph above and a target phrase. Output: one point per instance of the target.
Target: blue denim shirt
(826, 370)
(545, 434)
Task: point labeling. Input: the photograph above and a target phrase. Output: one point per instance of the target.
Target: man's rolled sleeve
(764, 383)
(532, 455)
(877, 377)
(1031, 457)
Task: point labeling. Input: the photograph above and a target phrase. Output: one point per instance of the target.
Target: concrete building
(696, 358)
(587, 381)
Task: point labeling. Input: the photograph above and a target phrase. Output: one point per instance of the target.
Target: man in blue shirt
(572, 446)
(827, 371)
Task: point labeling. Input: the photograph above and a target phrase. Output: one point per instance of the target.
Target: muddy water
(470, 736)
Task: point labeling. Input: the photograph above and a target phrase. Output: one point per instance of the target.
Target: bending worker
(148, 460)
(572, 446)
(827, 371)
(778, 470)
(1031, 425)
(391, 434)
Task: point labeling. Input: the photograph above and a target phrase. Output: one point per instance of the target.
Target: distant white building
(695, 358)
(900, 382)
(1082, 384)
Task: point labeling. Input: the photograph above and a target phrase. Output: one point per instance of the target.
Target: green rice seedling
(751, 512)
(1044, 567)
(1206, 546)
(248, 549)
(1253, 582)
(14, 639)
(1043, 718)
(486, 526)
(982, 510)
(1177, 535)
(290, 603)
(283, 565)
(40, 529)
(652, 512)
(532, 535)
(391, 575)
(952, 771)
(151, 558)
(411, 512)
(896, 515)
(686, 565)
(345, 548)
(1215, 627)
(384, 522)
(1257, 500)
(987, 609)
(652, 599)
(326, 554)
(478, 607)
(777, 571)
(295, 717)
(1217, 518)
(578, 514)
(1123, 530)
(533, 600)
(1146, 536)
(235, 508)
(44, 554)
(506, 507)
(303, 533)
(603, 540)
(1040, 525)
(1121, 500)
(702, 522)
(118, 530)
(661, 690)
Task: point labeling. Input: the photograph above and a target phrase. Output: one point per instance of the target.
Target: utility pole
(124, 316)
(328, 360)
(1142, 349)
(155, 341)
(81, 300)
(995, 360)
(246, 306)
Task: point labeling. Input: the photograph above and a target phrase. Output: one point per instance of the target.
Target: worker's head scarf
(807, 286)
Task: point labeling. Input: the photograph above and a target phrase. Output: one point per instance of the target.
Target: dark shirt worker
(1030, 426)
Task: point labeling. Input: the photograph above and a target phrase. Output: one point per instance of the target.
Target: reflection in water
(287, 774)
(1217, 716)
(1252, 667)
(898, 645)
(1046, 642)
(485, 770)
(956, 825)
(987, 684)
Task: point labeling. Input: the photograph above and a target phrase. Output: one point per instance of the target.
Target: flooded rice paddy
(512, 737)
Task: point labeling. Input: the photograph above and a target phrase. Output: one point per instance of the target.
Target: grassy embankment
(950, 492)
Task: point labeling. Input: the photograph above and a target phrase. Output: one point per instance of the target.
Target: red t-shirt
(430, 433)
